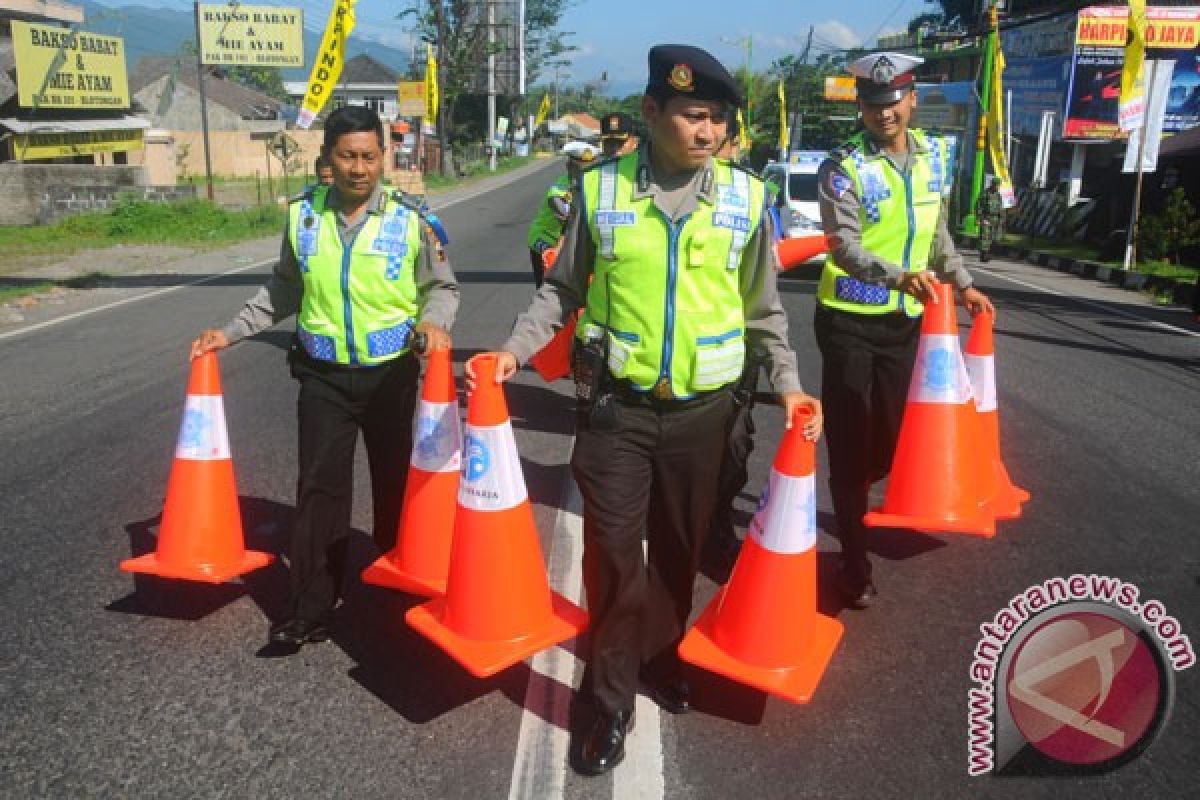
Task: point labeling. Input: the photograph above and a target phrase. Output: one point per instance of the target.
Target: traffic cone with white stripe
(498, 608)
(794, 251)
(200, 538)
(554, 360)
(421, 558)
(939, 470)
(1005, 498)
(762, 629)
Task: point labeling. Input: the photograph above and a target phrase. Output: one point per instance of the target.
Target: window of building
(374, 102)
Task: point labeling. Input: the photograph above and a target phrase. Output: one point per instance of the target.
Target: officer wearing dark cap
(880, 196)
(669, 255)
(616, 134)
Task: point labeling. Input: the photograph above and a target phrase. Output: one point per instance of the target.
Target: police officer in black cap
(616, 134)
(670, 258)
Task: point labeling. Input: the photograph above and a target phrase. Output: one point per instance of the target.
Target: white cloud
(836, 33)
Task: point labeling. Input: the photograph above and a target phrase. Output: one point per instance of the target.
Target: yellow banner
(1131, 109)
(784, 137)
(61, 68)
(411, 95)
(1109, 30)
(432, 90)
(543, 111)
(328, 65)
(995, 124)
(743, 136)
(840, 88)
(260, 36)
(61, 144)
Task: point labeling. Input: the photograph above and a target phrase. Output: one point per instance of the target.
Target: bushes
(1165, 235)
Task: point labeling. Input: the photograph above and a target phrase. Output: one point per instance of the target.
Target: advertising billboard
(1092, 98)
(258, 36)
(63, 68)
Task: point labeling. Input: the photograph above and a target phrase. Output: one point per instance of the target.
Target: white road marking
(210, 278)
(539, 770)
(640, 775)
(1089, 303)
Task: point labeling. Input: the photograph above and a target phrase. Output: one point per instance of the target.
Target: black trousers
(734, 468)
(538, 266)
(866, 364)
(653, 478)
(335, 403)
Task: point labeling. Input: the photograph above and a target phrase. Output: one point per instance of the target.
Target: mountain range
(161, 31)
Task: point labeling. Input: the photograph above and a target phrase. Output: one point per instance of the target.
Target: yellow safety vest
(899, 219)
(547, 228)
(668, 293)
(360, 304)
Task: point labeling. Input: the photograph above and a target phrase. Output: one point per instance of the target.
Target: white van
(797, 183)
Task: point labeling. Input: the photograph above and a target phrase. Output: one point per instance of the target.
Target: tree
(459, 32)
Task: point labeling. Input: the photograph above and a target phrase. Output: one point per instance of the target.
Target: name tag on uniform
(306, 237)
(736, 222)
(390, 245)
(731, 200)
(875, 188)
(615, 219)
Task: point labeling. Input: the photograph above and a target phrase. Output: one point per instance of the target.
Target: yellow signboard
(412, 98)
(61, 68)
(31, 146)
(840, 88)
(260, 36)
(1166, 28)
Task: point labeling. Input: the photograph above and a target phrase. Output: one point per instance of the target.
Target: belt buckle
(662, 390)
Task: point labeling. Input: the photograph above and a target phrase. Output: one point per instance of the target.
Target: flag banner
(543, 111)
(432, 90)
(327, 67)
(784, 133)
(995, 125)
(1159, 94)
(1131, 108)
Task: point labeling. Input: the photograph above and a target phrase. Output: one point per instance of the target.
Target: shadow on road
(134, 281)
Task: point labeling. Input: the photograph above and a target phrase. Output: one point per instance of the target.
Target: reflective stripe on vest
(899, 219)
(359, 304)
(668, 292)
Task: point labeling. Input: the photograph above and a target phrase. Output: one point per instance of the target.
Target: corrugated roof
(125, 122)
(364, 69)
(247, 103)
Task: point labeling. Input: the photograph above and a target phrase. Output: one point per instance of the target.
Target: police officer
(547, 226)
(880, 197)
(989, 214)
(678, 250)
(323, 171)
(364, 272)
(616, 134)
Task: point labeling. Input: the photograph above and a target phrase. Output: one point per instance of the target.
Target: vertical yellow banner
(784, 133)
(1131, 110)
(543, 111)
(327, 67)
(995, 125)
(432, 90)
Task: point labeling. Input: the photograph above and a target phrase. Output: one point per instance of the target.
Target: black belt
(627, 394)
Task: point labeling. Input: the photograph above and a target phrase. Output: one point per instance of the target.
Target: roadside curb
(1181, 292)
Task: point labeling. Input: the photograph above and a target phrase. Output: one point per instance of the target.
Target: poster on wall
(1171, 34)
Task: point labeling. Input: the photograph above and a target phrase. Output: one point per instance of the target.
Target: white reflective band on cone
(786, 519)
(939, 375)
(491, 470)
(982, 370)
(203, 436)
(436, 438)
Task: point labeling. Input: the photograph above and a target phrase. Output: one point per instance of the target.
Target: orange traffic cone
(938, 473)
(554, 360)
(421, 558)
(795, 251)
(762, 629)
(498, 608)
(200, 538)
(1005, 498)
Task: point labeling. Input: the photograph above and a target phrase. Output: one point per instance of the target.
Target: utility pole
(1131, 235)
(443, 143)
(970, 224)
(491, 85)
(203, 103)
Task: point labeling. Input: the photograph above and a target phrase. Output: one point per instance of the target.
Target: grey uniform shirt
(840, 219)
(565, 289)
(280, 296)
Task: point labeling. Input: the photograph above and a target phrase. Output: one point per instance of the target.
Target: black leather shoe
(857, 592)
(604, 746)
(673, 696)
(299, 632)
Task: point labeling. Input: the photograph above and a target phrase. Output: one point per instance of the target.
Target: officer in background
(679, 252)
(547, 226)
(323, 172)
(880, 197)
(989, 215)
(616, 134)
(363, 271)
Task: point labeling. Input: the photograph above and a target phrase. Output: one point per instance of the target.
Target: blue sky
(614, 35)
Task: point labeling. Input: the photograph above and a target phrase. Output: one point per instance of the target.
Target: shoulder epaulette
(417, 205)
(843, 150)
(744, 168)
(305, 194)
(600, 163)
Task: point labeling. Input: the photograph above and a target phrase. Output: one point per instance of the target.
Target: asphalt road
(120, 687)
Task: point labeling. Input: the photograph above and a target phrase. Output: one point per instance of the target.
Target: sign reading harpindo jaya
(259, 36)
(1172, 34)
(61, 68)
